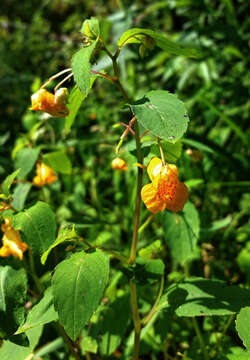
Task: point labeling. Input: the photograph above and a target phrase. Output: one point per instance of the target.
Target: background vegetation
(38, 39)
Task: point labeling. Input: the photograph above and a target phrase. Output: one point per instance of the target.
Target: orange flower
(12, 242)
(44, 175)
(54, 105)
(119, 164)
(165, 191)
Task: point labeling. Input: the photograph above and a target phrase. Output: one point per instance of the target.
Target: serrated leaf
(78, 284)
(58, 161)
(25, 160)
(203, 297)
(8, 181)
(19, 195)
(182, 232)
(13, 288)
(42, 313)
(65, 234)
(243, 326)
(37, 226)
(81, 67)
(163, 114)
(139, 36)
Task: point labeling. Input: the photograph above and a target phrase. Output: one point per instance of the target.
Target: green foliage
(42, 313)
(37, 225)
(203, 297)
(78, 284)
(81, 67)
(143, 36)
(25, 160)
(13, 285)
(243, 326)
(8, 181)
(58, 161)
(187, 53)
(182, 233)
(20, 352)
(163, 114)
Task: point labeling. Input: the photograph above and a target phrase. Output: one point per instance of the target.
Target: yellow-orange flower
(165, 191)
(119, 164)
(12, 242)
(45, 101)
(44, 175)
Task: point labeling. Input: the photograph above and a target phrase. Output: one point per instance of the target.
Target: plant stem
(136, 319)
(132, 258)
(35, 278)
(200, 338)
(138, 196)
(154, 308)
(146, 223)
(69, 343)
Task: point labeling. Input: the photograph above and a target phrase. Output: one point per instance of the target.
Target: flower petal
(154, 168)
(176, 203)
(150, 198)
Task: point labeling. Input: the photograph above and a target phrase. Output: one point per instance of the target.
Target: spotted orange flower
(119, 164)
(54, 105)
(12, 242)
(44, 175)
(165, 191)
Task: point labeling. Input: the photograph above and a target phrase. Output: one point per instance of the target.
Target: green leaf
(243, 326)
(42, 313)
(65, 234)
(78, 284)
(203, 297)
(8, 181)
(9, 350)
(218, 224)
(141, 36)
(172, 152)
(151, 251)
(37, 225)
(90, 28)
(25, 160)
(58, 161)
(112, 330)
(75, 100)
(81, 67)
(182, 235)
(146, 271)
(163, 114)
(13, 288)
(20, 194)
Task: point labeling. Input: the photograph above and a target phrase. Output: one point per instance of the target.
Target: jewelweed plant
(103, 299)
